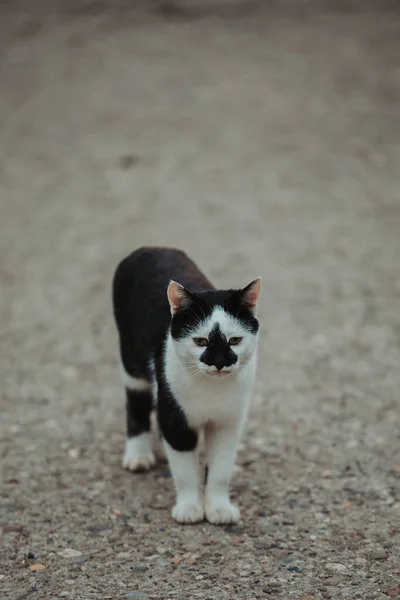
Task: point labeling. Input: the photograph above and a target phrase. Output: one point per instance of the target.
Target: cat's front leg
(185, 470)
(181, 447)
(221, 448)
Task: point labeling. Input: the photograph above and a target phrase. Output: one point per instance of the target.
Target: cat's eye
(234, 341)
(201, 341)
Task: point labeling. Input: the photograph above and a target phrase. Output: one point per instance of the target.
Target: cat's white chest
(208, 400)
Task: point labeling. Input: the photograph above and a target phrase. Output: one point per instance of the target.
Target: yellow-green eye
(234, 341)
(201, 341)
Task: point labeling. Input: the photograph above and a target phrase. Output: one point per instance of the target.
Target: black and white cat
(189, 351)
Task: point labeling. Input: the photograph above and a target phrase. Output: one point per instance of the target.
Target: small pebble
(37, 567)
(70, 372)
(73, 452)
(69, 553)
(333, 581)
(139, 569)
(378, 555)
(136, 595)
(275, 585)
(81, 559)
(295, 568)
(128, 161)
(163, 563)
(339, 568)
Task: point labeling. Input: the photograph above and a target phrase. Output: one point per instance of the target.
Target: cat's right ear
(178, 297)
(251, 293)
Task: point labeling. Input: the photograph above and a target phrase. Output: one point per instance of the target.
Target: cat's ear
(178, 297)
(250, 294)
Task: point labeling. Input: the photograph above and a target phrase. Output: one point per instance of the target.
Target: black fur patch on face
(202, 304)
(218, 352)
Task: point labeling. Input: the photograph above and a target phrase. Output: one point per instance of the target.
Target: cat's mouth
(217, 373)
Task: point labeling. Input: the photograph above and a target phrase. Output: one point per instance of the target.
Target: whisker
(191, 377)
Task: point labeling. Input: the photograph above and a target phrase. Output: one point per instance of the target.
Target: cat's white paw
(188, 512)
(139, 463)
(222, 513)
(138, 455)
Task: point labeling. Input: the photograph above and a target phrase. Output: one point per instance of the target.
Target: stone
(274, 585)
(288, 560)
(295, 568)
(69, 553)
(37, 567)
(378, 555)
(338, 567)
(81, 559)
(334, 581)
(163, 563)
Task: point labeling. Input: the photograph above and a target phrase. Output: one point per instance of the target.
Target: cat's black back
(140, 302)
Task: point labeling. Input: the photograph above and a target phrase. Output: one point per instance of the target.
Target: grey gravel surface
(262, 138)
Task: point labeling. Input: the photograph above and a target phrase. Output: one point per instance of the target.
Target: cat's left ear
(178, 297)
(251, 293)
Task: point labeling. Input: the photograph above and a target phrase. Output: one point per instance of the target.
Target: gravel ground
(262, 138)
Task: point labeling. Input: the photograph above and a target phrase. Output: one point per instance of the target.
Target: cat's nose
(219, 363)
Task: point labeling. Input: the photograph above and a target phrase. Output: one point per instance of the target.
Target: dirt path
(263, 140)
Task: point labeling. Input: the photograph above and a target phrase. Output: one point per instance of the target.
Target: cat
(188, 350)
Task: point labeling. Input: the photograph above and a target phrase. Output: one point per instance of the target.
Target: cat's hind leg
(138, 455)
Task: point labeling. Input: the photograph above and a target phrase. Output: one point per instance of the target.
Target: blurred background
(263, 139)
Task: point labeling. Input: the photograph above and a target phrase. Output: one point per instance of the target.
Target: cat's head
(214, 332)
